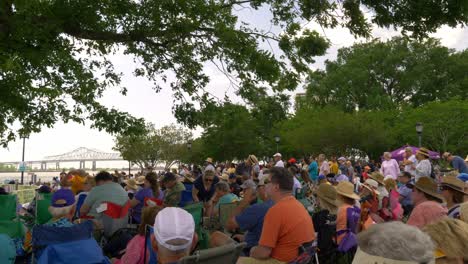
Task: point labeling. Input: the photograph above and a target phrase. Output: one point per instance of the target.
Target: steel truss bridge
(81, 155)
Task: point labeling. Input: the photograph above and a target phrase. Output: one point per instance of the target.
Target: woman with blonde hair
(394, 204)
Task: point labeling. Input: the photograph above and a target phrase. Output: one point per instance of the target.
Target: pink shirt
(390, 167)
(426, 213)
(134, 252)
(324, 168)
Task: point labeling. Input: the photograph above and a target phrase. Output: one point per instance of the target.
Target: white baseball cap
(174, 223)
(277, 155)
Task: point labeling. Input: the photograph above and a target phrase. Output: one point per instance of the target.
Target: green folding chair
(43, 201)
(225, 211)
(8, 207)
(196, 210)
(13, 229)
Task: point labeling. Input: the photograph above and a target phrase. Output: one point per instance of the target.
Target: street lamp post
(189, 147)
(23, 166)
(277, 140)
(419, 130)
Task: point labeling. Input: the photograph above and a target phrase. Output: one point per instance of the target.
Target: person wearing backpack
(325, 223)
(347, 219)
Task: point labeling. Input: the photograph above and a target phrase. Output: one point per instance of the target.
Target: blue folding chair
(186, 198)
(153, 258)
(54, 245)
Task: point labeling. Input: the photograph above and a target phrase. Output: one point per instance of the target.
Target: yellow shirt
(334, 167)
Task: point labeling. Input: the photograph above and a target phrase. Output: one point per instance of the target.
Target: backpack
(349, 241)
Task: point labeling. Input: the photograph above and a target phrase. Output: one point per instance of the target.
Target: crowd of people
(312, 210)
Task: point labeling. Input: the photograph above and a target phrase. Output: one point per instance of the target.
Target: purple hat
(63, 198)
(341, 178)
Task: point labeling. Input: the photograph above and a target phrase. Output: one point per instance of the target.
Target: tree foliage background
(54, 55)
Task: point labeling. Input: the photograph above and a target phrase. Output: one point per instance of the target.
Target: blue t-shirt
(406, 193)
(140, 196)
(313, 170)
(459, 164)
(251, 220)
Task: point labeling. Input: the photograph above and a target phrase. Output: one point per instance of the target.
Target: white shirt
(280, 163)
(297, 185)
(408, 168)
(423, 169)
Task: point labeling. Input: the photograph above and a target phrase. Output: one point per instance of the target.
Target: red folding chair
(114, 217)
(153, 202)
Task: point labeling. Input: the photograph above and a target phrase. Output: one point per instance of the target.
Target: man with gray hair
(222, 195)
(394, 242)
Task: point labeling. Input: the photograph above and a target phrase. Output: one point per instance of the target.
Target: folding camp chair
(12, 228)
(186, 198)
(54, 245)
(114, 217)
(225, 211)
(153, 257)
(227, 254)
(8, 207)
(43, 201)
(152, 202)
(196, 210)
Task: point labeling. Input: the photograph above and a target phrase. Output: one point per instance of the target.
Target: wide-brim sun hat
(327, 193)
(346, 189)
(362, 257)
(252, 159)
(277, 155)
(423, 151)
(131, 184)
(429, 187)
(378, 177)
(371, 185)
(454, 183)
(140, 180)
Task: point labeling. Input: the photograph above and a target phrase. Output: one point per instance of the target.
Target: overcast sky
(142, 101)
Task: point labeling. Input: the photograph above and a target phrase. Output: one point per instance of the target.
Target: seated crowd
(315, 211)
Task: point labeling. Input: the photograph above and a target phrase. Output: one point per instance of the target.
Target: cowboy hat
(371, 185)
(131, 184)
(423, 151)
(454, 183)
(378, 177)
(346, 189)
(327, 193)
(429, 187)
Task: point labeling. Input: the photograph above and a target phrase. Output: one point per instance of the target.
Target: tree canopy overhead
(54, 55)
(384, 75)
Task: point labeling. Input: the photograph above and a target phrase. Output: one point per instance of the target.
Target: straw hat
(327, 193)
(131, 184)
(346, 189)
(252, 159)
(429, 187)
(378, 177)
(454, 183)
(423, 151)
(210, 160)
(371, 185)
(225, 177)
(140, 180)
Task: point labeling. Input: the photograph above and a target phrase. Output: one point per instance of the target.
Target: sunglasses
(209, 180)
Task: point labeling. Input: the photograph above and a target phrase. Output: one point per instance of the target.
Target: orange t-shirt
(341, 218)
(286, 226)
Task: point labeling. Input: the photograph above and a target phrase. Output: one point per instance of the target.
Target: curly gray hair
(397, 241)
